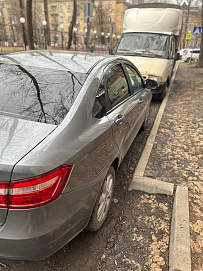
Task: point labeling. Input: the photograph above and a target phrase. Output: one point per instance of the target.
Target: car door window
(117, 86)
(135, 79)
(99, 108)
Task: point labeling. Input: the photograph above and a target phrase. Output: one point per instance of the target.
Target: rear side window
(38, 94)
(117, 86)
(99, 108)
(135, 79)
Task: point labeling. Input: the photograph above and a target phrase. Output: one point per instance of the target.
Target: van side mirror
(177, 56)
(151, 84)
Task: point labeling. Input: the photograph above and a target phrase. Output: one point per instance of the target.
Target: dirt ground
(177, 154)
(136, 233)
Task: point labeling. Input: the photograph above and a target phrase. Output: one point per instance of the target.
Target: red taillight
(37, 191)
(4, 195)
(186, 53)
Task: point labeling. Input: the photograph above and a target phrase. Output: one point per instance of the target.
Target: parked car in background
(100, 47)
(182, 52)
(66, 123)
(191, 55)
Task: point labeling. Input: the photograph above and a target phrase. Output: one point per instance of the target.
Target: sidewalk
(177, 154)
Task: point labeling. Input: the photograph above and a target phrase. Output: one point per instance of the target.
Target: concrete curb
(152, 186)
(179, 250)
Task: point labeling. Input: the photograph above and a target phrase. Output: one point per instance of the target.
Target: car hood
(147, 65)
(17, 138)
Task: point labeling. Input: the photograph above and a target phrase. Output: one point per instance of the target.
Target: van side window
(99, 107)
(117, 86)
(135, 79)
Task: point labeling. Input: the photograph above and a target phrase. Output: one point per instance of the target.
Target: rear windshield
(38, 94)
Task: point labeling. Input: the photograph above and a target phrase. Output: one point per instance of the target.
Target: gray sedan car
(66, 123)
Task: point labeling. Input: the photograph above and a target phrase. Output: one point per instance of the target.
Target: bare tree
(46, 12)
(70, 34)
(201, 44)
(3, 27)
(29, 24)
(186, 21)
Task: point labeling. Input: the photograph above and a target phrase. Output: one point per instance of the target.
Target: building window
(61, 19)
(189, 19)
(69, 8)
(109, 19)
(61, 8)
(53, 9)
(191, 43)
(110, 8)
(69, 19)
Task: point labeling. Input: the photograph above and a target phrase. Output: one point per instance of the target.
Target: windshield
(144, 44)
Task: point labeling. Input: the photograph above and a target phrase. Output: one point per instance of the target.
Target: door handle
(119, 119)
(140, 101)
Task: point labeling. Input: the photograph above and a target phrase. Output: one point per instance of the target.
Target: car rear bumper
(32, 235)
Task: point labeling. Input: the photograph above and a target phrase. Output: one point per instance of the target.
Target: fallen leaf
(154, 237)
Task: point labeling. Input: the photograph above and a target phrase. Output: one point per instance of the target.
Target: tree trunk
(186, 23)
(201, 44)
(29, 25)
(23, 14)
(46, 12)
(70, 34)
(3, 27)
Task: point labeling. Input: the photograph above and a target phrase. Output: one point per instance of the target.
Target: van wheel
(161, 96)
(103, 202)
(188, 59)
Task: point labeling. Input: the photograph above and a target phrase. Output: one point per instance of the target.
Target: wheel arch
(115, 164)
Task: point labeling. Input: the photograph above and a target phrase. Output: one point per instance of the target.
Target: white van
(150, 39)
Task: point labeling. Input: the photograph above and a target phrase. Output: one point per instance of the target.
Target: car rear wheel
(103, 202)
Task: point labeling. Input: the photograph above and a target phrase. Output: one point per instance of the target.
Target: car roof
(81, 62)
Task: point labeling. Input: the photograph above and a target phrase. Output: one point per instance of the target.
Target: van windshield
(144, 44)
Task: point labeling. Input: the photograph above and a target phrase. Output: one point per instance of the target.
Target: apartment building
(105, 25)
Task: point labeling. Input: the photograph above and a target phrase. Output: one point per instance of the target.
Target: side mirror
(151, 84)
(177, 56)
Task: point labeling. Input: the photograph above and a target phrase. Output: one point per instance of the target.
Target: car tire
(188, 59)
(103, 202)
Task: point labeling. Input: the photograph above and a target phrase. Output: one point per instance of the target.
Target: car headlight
(155, 78)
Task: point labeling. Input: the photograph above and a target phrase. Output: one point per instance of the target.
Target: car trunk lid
(17, 138)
